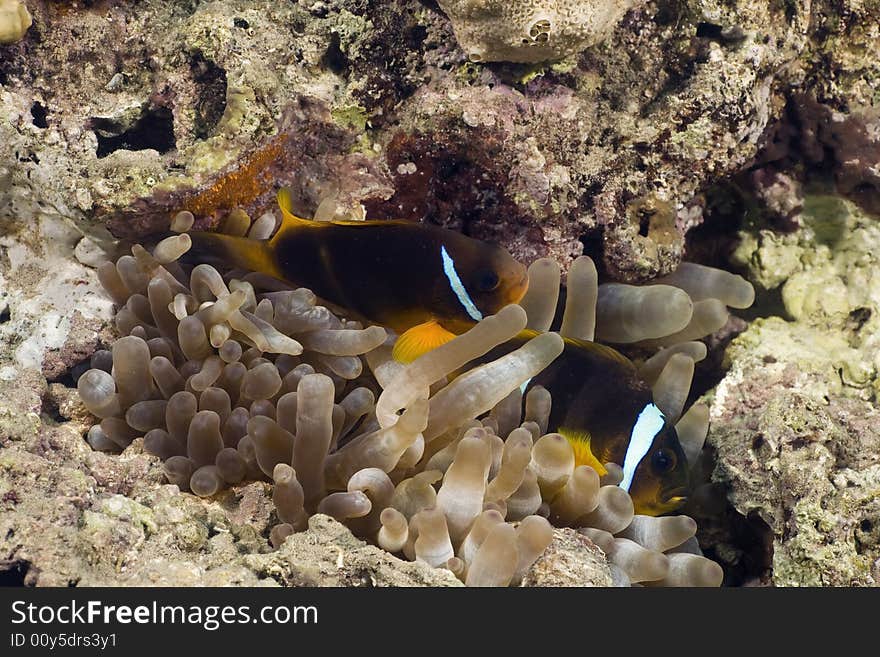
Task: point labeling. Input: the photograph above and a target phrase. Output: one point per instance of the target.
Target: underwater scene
(435, 293)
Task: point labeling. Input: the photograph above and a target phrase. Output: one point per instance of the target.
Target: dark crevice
(39, 114)
(768, 303)
(49, 410)
(668, 13)
(416, 36)
(334, 59)
(714, 240)
(858, 318)
(154, 130)
(726, 36)
(593, 243)
(70, 378)
(741, 545)
(708, 373)
(644, 224)
(14, 572)
(753, 540)
(709, 30)
(211, 99)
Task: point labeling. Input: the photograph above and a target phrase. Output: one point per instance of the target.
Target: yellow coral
(14, 20)
(531, 30)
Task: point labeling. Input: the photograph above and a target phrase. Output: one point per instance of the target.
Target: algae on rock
(539, 158)
(795, 425)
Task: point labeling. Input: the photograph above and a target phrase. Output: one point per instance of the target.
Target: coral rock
(531, 30)
(329, 555)
(14, 20)
(794, 424)
(572, 559)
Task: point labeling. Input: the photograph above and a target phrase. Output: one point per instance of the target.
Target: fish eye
(487, 281)
(663, 461)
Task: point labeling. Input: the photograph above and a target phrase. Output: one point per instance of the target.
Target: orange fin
(420, 340)
(583, 455)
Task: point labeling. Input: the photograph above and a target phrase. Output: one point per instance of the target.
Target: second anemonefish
(425, 282)
(607, 413)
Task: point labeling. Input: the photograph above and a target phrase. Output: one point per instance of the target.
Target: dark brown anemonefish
(425, 282)
(607, 413)
(430, 284)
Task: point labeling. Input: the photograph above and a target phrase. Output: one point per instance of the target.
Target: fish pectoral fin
(583, 455)
(420, 340)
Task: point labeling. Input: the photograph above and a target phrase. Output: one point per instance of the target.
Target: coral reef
(530, 30)
(795, 425)
(372, 108)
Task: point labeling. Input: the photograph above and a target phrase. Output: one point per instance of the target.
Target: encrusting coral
(14, 21)
(232, 378)
(531, 30)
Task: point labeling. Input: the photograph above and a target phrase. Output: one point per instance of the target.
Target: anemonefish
(430, 284)
(607, 413)
(427, 283)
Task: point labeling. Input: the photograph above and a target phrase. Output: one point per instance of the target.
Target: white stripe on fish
(649, 423)
(458, 286)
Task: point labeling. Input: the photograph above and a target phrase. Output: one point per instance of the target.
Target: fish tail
(228, 251)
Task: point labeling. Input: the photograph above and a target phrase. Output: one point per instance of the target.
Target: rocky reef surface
(372, 108)
(795, 424)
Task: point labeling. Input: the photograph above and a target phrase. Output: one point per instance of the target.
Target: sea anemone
(233, 377)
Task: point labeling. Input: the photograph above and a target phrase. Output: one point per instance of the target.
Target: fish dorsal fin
(288, 218)
(602, 350)
(583, 455)
(420, 340)
(526, 334)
